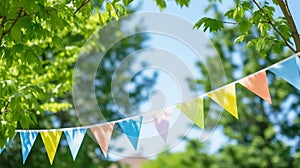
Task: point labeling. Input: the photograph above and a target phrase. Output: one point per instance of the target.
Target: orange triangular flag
(226, 97)
(103, 136)
(258, 84)
(51, 140)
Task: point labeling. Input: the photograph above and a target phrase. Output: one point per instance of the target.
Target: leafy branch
(20, 15)
(82, 5)
(5, 108)
(274, 27)
(291, 23)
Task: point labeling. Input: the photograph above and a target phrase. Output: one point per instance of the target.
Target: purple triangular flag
(162, 122)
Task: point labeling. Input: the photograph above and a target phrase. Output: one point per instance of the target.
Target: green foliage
(40, 43)
(209, 23)
(183, 3)
(193, 156)
(162, 4)
(248, 15)
(38, 51)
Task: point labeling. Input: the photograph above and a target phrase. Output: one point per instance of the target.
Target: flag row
(225, 96)
(74, 136)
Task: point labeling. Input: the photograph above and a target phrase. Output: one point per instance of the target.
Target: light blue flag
(2, 149)
(74, 139)
(289, 71)
(27, 141)
(132, 130)
(9, 143)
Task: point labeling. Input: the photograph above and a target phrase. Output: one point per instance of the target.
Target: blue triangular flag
(27, 140)
(9, 142)
(74, 139)
(2, 149)
(289, 71)
(132, 130)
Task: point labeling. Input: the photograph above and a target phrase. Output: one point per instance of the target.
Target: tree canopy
(40, 43)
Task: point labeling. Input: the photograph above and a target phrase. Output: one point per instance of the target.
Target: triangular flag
(132, 130)
(226, 97)
(2, 149)
(298, 62)
(289, 71)
(162, 122)
(51, 140)
(9, 143)
(103, 135)
(74, 138)
(194, 110)
(258, 84)
(27, 140)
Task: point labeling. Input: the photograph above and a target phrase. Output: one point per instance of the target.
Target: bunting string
(178, 104)
(225, 96)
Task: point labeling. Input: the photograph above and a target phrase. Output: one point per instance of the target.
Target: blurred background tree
(249, 37)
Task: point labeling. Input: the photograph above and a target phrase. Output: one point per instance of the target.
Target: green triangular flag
(194, 110)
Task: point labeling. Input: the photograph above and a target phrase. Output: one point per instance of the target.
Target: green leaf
(161, 4)
(56, 41)
(109, 7)
(8, 56)
(208, 23)
(229, 14)
(269, 10)
(183, 3)
(239, 39)
(244, 26)
(16, 33)
(127, 2)
(55, 107)
(246, 5)
(104, 17)
(238, 13)
(33, 118)
(257, 17)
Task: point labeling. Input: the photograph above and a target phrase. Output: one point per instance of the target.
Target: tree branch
(12, 25)
(274, 27)
(228, 22)
(82, 5)
(5, 109)
(290, 21)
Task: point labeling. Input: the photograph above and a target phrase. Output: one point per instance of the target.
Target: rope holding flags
(288, 70)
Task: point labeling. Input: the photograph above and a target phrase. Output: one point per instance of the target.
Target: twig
(227, 22)
(82, 5)
(274, 27)
(15, 21)
(5, 110)
(12, 25)
(291, 23)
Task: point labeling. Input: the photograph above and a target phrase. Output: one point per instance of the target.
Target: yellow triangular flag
(51, 140)
(194, 110)
(226, 97)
